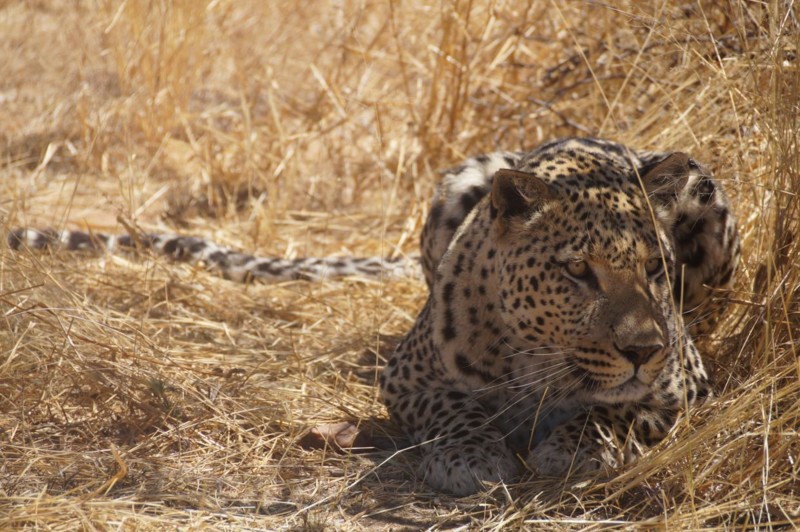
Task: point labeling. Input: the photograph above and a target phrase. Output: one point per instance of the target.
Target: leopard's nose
(637, 334)
(640, 354)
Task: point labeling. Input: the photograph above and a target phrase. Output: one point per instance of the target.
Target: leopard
(567, 286)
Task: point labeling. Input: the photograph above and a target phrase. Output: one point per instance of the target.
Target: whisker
(551, 350)
(525, 392)
(501, 381)
(542, 408)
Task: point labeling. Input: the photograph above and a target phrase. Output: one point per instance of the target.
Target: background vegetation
(140, 393)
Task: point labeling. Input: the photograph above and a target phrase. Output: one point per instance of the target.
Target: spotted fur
(552, 334)
(229, 263)
(704, 228)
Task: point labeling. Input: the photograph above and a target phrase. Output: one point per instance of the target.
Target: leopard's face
(583, 280)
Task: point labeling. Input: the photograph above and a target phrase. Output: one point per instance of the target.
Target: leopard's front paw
(576, 449)
(463, 469)
(554, 461)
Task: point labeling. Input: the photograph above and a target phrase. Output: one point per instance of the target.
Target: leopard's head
(585, 268)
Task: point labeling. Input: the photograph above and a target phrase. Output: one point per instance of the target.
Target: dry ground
(137, 393)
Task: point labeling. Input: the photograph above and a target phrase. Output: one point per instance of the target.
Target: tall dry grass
(138, 393)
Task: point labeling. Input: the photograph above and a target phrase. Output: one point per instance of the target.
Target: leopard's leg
(607, 436)
(461, 448)
(603, 438)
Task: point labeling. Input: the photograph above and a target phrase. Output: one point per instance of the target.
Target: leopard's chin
(630, 391)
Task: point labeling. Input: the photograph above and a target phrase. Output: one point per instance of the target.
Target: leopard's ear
(516, 193)
(664, 180)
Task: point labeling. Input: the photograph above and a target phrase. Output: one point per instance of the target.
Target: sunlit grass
(143, 393)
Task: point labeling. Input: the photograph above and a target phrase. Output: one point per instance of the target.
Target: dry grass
(138, 393)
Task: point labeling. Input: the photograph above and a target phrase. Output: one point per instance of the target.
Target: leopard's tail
(229, 263)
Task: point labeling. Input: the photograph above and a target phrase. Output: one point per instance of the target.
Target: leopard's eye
(577, 269)
(654, 266)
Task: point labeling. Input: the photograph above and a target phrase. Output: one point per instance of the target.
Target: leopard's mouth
(629, 391)
(626, 386)
(632, 389)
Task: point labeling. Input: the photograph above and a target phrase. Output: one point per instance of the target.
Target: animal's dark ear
(516, 193)
(664, 180)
